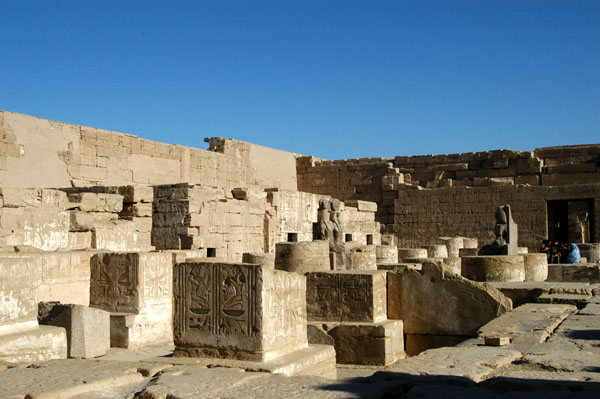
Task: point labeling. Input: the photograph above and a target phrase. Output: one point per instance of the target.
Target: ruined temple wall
(39, 153)
(423, 197)
(420, 216)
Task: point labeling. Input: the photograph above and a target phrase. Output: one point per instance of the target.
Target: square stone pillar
(238, 311)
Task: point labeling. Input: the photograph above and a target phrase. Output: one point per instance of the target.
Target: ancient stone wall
(421, 198)
(39, 153)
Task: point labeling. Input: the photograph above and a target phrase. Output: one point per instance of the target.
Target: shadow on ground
(400, 385)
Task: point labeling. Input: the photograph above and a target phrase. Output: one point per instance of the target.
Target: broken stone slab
(238, 311)
(434, 302)
(69, 378)
(493, 268)
(96, 202)
(302, 257)
(379, 343)
(571, 299)
(529, 324)
(578, 272)
(88, 329)
(474, 363)
(591, 309)
(343, 295)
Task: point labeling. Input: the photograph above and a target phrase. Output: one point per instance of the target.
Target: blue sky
(335, 79)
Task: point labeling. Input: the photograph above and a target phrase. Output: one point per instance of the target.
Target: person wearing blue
(574, 256)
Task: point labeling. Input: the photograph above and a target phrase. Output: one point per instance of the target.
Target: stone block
(97, 202)
(591, 251)
(453, 245)
(493, 268)
(364, 257)
(378, 344)
(80, 221)
(433, 302)
(35, 344)
(79, 241)
(115, 235)
(302, 257)
(238, 311)
(267, 260)
(130, 282)
(362, 206)
(357, 296)
(87, 329)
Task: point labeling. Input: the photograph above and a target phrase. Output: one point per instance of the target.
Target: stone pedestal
(536, 267)
(493, 268)
(411, 253)
(437, 251)
(362, 343)
(452, 244)
(386, 254)
(22, 339)
(349, 310)
(238, 311)
(138, 284)
(302, 257)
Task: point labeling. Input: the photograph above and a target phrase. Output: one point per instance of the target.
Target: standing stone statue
(331, 229)
(506, 234)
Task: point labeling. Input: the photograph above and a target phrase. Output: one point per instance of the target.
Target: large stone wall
(421, 198)
(39, 153)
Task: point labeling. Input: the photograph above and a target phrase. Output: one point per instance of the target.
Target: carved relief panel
(215, 299)
(340, 296)
(114, 283)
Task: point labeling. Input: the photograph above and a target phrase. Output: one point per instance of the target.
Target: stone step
(39, 343)
(528, 292)
(570, 299)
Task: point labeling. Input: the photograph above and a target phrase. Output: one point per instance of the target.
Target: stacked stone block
(136, 288)
(349, 310)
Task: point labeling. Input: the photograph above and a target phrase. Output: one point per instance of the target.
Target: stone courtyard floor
(554, 353)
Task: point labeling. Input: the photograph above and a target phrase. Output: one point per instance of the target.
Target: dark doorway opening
(571, 220)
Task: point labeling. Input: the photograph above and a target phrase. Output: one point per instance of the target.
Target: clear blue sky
(336, 79)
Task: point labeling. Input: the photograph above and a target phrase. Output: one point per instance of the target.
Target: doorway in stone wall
(571, 220)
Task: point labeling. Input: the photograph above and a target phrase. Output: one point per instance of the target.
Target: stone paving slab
(182, 382)
(313, 360)
(71, 377)
(529, 324)
(570, 299)
(591, 309)
(473, 363)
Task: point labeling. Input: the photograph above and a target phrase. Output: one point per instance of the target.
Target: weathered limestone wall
(422, 215)
(228, 224)
(421, 198)
(39, 153)
(53, 220)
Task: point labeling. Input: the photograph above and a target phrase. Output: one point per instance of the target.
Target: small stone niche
(348, 237)
(292, 237)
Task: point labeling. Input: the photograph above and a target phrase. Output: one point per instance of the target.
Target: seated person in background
(555, 252)
(545, 249)
(574, 256)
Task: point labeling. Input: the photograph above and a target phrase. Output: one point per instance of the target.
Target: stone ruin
(245, 257)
